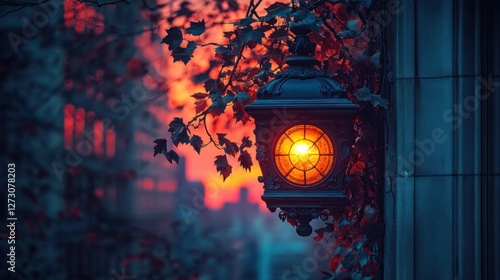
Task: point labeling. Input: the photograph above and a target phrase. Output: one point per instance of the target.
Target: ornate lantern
(304, 131)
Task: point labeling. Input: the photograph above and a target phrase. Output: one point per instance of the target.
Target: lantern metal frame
(303, 94)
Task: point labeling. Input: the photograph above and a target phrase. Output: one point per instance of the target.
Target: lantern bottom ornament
(303, 216)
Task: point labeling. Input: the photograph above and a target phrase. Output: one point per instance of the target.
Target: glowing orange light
(304, 154)
(301, 149)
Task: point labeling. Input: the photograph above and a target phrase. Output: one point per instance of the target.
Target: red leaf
(251, 44)
(201, 105)
(245, 160)
(280, 33)
(320, 232)
(172, 156)
(221, 137)
(173, 38)
(253, 72)
(196, 142)
(245, 143)
(334, 262)
(223, 166)
(160, 147)
(358, 168)
(228, 34)
(239, 113)
(199, 95)
(292, 222)
(342, 13)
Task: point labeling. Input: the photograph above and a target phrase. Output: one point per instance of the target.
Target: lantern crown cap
(302, 79)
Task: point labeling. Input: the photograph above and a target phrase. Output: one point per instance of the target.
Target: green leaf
(225, 54)
(172, 156)
(249, 34)
(230, 148)
(228, 98)
(277, 9)
(223, 51)
(245, 160)
(173, 38)
(366, 3)
(307, 19)
(245, 21)
(375, 60)
(266, 66)
(352, 24)
(196, 28)
(363, 94)
(160, 147)
(196, 142)
(313, 22)
(280, 33)
(242, 97)
(218, 104)
(181, 137)
(184, 54)
(213, 86)
(179, 132)
(350, 261)
(176, 125)
(223, 166)
(348, 34)
(377, 100)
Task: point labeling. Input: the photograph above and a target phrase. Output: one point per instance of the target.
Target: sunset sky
(181, 104)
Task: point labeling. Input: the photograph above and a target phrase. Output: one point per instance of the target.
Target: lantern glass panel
(304, 154)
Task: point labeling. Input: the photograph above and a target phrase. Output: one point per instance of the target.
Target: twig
(12, 11)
